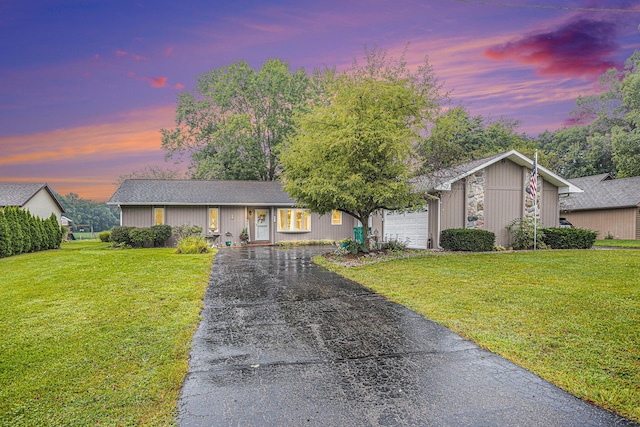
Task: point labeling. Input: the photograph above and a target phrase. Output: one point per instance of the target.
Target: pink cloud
(179, 86)
(157, 81)
(168, 51)
(580, 48)
(121, 53)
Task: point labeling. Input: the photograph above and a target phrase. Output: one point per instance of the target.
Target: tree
(151, 172)
(577, 151)
(612, 117)
(5, 236)
(352, 151)
(233, 123)
(457, 137)
(83, 211)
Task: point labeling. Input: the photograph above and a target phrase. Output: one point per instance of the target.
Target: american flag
(533, 184)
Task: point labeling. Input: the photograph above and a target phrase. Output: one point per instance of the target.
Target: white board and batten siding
(411, 227)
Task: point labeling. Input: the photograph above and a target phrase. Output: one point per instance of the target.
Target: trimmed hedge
(21, 232)
(569, 238)
(467, 239)
(141, 237)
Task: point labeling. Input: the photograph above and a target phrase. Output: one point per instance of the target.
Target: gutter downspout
(439, 226)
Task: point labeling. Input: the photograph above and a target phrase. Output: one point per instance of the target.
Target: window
(294, 220)
(158, 216)
(336, 218)
(213, 220)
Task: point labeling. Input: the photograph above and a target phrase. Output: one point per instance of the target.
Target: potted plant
(244, 236)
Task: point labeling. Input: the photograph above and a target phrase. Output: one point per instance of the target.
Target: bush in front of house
(105, 236)
(192, 245)
(161, 233)
(186, 230)
(467, 239)
(141, 237)
(569, 238)
(120, 235)
(525, 233)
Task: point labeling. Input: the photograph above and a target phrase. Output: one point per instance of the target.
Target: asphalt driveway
(284, 342)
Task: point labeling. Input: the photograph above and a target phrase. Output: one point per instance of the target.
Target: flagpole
(535, 201)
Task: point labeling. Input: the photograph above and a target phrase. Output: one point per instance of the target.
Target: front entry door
(262, 224)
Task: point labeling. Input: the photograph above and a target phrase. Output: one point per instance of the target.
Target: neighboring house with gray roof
(39, 199)
(607, 205)
(485, 194)
(224, 208)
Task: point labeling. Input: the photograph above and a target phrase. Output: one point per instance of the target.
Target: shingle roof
(196, 192)
(602, 192)
(442, 180)
(19, 194)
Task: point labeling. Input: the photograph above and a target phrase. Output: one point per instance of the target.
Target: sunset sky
(86, 85)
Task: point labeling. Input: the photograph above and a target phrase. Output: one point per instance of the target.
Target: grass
(572, 317)
(87, 235)
(617, 243)
(96, 336)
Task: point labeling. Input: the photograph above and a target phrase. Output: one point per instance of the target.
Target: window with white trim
(158, 216)
(336, 217)
(294, 220)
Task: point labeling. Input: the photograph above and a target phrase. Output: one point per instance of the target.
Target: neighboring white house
(38, 199)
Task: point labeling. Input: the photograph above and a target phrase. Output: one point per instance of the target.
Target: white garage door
(407, 226)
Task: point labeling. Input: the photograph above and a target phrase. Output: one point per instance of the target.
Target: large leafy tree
(233, 123)
(353, 151)
(610, 122)
(456, 137)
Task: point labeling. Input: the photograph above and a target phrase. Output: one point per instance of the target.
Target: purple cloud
(580, 48)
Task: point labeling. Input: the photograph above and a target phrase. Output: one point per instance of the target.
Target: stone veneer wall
(475, 200)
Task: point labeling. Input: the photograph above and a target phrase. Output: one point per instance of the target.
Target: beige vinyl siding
(232, 220)
(137, 216)
(453, 210)
(504, 195)
(549, 205)
(181, 215)
(42, 205)
(620, 223)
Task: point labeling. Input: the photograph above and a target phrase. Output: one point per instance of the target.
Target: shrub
(5, 236)
(353, 246)
(395, 245)
(141, 237)
(467, 239)
(569, 238)
(186, 230)
(120, 234)
(192, 245)
(523, 233)
(18, 244)
(161, 234)
(105, 236)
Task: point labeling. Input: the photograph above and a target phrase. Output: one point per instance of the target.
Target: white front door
(262, 224)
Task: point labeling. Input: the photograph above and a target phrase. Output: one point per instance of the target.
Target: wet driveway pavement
(283, 342)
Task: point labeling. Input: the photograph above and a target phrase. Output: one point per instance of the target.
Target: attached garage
(411, 227)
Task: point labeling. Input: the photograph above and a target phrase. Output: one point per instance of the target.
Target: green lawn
(96, 336)
(618, 243)
(572, 317)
